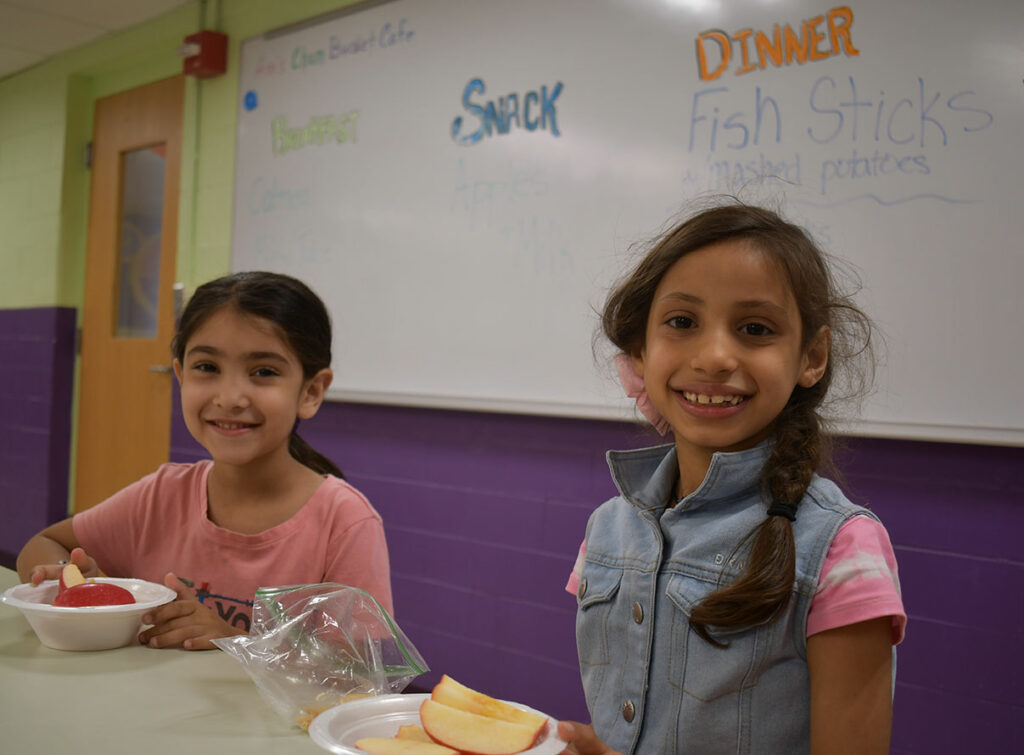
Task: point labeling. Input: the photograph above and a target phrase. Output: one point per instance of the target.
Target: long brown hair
(292, 308)
(800, 444)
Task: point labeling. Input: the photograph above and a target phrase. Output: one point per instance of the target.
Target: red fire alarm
(205, 53)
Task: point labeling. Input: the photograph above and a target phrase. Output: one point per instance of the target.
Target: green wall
(46, 122)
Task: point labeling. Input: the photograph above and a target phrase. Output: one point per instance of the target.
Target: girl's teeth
(703, 398)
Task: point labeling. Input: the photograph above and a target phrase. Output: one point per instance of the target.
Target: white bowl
(86, 627)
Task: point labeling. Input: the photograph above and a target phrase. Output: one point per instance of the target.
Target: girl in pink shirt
(252, 356)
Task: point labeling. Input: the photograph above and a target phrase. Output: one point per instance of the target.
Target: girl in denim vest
(730, 599)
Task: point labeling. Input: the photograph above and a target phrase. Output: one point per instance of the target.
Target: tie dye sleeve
(859, 580)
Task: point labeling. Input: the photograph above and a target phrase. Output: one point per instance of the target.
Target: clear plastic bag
(312, 647)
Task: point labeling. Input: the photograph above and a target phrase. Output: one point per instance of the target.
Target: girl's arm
(851, 688)
(38, 560)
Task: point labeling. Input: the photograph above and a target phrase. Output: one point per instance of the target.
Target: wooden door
(128, 308)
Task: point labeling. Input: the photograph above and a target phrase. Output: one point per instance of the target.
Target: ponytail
(305, 454)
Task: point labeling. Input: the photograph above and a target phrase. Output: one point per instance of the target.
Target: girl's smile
(711, 402)
(230, 428)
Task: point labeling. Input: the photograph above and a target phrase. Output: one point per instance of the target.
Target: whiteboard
(462, 181)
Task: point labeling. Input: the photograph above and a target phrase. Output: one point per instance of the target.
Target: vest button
(628, 711)
(638, 613)
(582, 588)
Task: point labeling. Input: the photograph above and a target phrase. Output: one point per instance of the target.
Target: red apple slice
(450, 692)
(393, 746)
(473, 734)
(70, 576)
(94, 594)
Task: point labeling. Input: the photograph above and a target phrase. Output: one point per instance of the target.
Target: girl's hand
(582, 739)
(78, 557)
(184, 623)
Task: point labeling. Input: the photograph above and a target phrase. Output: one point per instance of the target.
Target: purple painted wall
(484, 513)
(37, 350)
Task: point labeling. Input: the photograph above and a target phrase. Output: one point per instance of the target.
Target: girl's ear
(177, 370)
(638, 363)
(815, 358)
(313, 393)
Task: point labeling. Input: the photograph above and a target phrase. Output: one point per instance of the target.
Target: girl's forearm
(40, 549)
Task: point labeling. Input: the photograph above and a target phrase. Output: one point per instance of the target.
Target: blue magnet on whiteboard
(251, 101)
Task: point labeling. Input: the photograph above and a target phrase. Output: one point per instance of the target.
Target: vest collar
(646, 477)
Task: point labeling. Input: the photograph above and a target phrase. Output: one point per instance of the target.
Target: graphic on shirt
(228, 608)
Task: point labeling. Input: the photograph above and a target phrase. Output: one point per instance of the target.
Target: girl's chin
(717, 438)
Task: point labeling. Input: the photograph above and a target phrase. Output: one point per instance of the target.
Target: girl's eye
(756, 329)
(681, 322)
(264, 372)
(204, 367)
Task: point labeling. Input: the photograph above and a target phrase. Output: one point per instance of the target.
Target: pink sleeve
(573, 585)
(360, 559)
(859, 580)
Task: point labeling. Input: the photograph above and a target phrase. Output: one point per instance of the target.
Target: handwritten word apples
(395, 746)
(74, 592)
(474, 734)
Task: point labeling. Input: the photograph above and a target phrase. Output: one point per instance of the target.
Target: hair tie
(633, 385)
(781, 508)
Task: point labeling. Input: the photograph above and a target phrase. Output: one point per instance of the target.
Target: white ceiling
(33, 30)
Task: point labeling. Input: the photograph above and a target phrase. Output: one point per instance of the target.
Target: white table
(131, 700)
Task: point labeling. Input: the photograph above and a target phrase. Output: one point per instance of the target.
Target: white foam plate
(337, 729)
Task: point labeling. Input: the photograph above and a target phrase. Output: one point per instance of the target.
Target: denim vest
(652, 684)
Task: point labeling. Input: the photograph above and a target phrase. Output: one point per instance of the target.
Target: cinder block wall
(36, 383)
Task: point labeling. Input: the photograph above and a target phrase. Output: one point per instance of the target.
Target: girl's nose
(715, 354)
(232, 394)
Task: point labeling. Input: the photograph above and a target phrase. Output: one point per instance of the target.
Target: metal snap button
(638, 613)
(628, 711)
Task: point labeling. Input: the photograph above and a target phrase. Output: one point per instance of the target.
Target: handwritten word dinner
(819, 38)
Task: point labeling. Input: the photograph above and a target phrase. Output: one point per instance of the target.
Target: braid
(765, 586)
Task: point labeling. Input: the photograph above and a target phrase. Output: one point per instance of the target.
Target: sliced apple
(70, 576)
(394, 746)
(450, 692)
(414, 733)
(93, 594)
(473, 734)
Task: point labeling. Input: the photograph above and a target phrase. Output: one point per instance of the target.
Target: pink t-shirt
(160, 524)
(858, 580)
